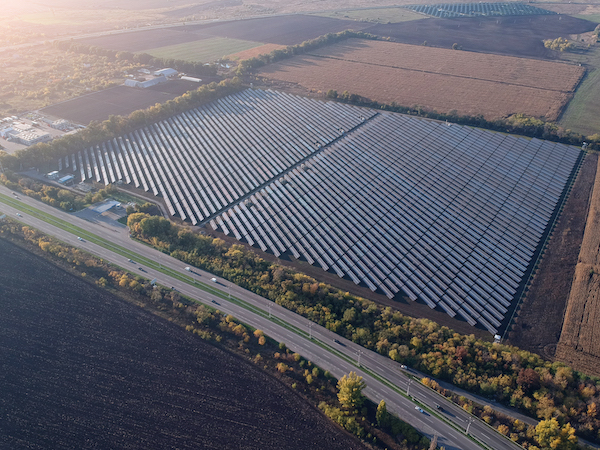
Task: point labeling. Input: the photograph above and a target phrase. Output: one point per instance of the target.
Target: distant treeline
(196, 68)
(247, 65)
(516, 124)
(97, 132)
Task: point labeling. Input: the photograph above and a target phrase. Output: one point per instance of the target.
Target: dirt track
(539, 323)
(579, 343)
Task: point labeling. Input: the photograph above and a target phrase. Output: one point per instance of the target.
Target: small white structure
(53, 175)
(147, 83)
(21, 127)
(6, 131)
(32, 137)
(166, 72)
(66, 180)
(195, 80)
(61, 124)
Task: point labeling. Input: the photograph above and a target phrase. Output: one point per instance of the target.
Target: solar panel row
(450, 215)
(204, 160)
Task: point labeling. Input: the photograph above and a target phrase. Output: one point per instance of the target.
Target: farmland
(517, 35)
(119, 100)
(583, 112)
(83, 369)
(378, 15)
(438, 79)
(284, 30)
(579, 343)
(206, 50)
(138, 41)
(253, 52)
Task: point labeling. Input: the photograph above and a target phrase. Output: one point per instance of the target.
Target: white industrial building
(169, 73)
(32, 137)
(146, 83)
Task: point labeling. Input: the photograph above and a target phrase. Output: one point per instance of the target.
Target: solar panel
(449, 215)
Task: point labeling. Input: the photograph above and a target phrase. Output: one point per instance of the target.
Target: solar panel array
(449, 215)
(205, 159)
(481, 9)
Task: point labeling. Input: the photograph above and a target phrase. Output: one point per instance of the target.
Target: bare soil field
(256, 51)
(437, 79)
(517, 36)
(120, 100)
(282, 30)
(83, 369)
(579, 343)
(478, 66)
(540, 319)
(138, 41)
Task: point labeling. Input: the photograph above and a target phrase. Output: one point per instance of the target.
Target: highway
(384, 378)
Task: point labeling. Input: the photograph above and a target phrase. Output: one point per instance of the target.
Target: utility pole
(408, 387)
(310, 330)
(469, 424)
(358, 357)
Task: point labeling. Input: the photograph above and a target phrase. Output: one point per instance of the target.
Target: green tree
(381, 414)
(550, 435)
(350, 391)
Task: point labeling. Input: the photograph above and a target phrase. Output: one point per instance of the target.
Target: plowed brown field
(443, 80)
(579, 343)
(253, 52)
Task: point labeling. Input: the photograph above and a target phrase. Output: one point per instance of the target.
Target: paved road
(335, 357)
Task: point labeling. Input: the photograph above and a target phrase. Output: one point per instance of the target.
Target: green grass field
(583, 112)
(590, 17)
(205, 50)
(379, 15)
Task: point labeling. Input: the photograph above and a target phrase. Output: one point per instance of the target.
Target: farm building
(147, 83)
(194, 79)
(166, 72)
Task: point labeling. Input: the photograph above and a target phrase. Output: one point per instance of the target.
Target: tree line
(514, 377)
(516, 124)
(247, 65)
(527, 436)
